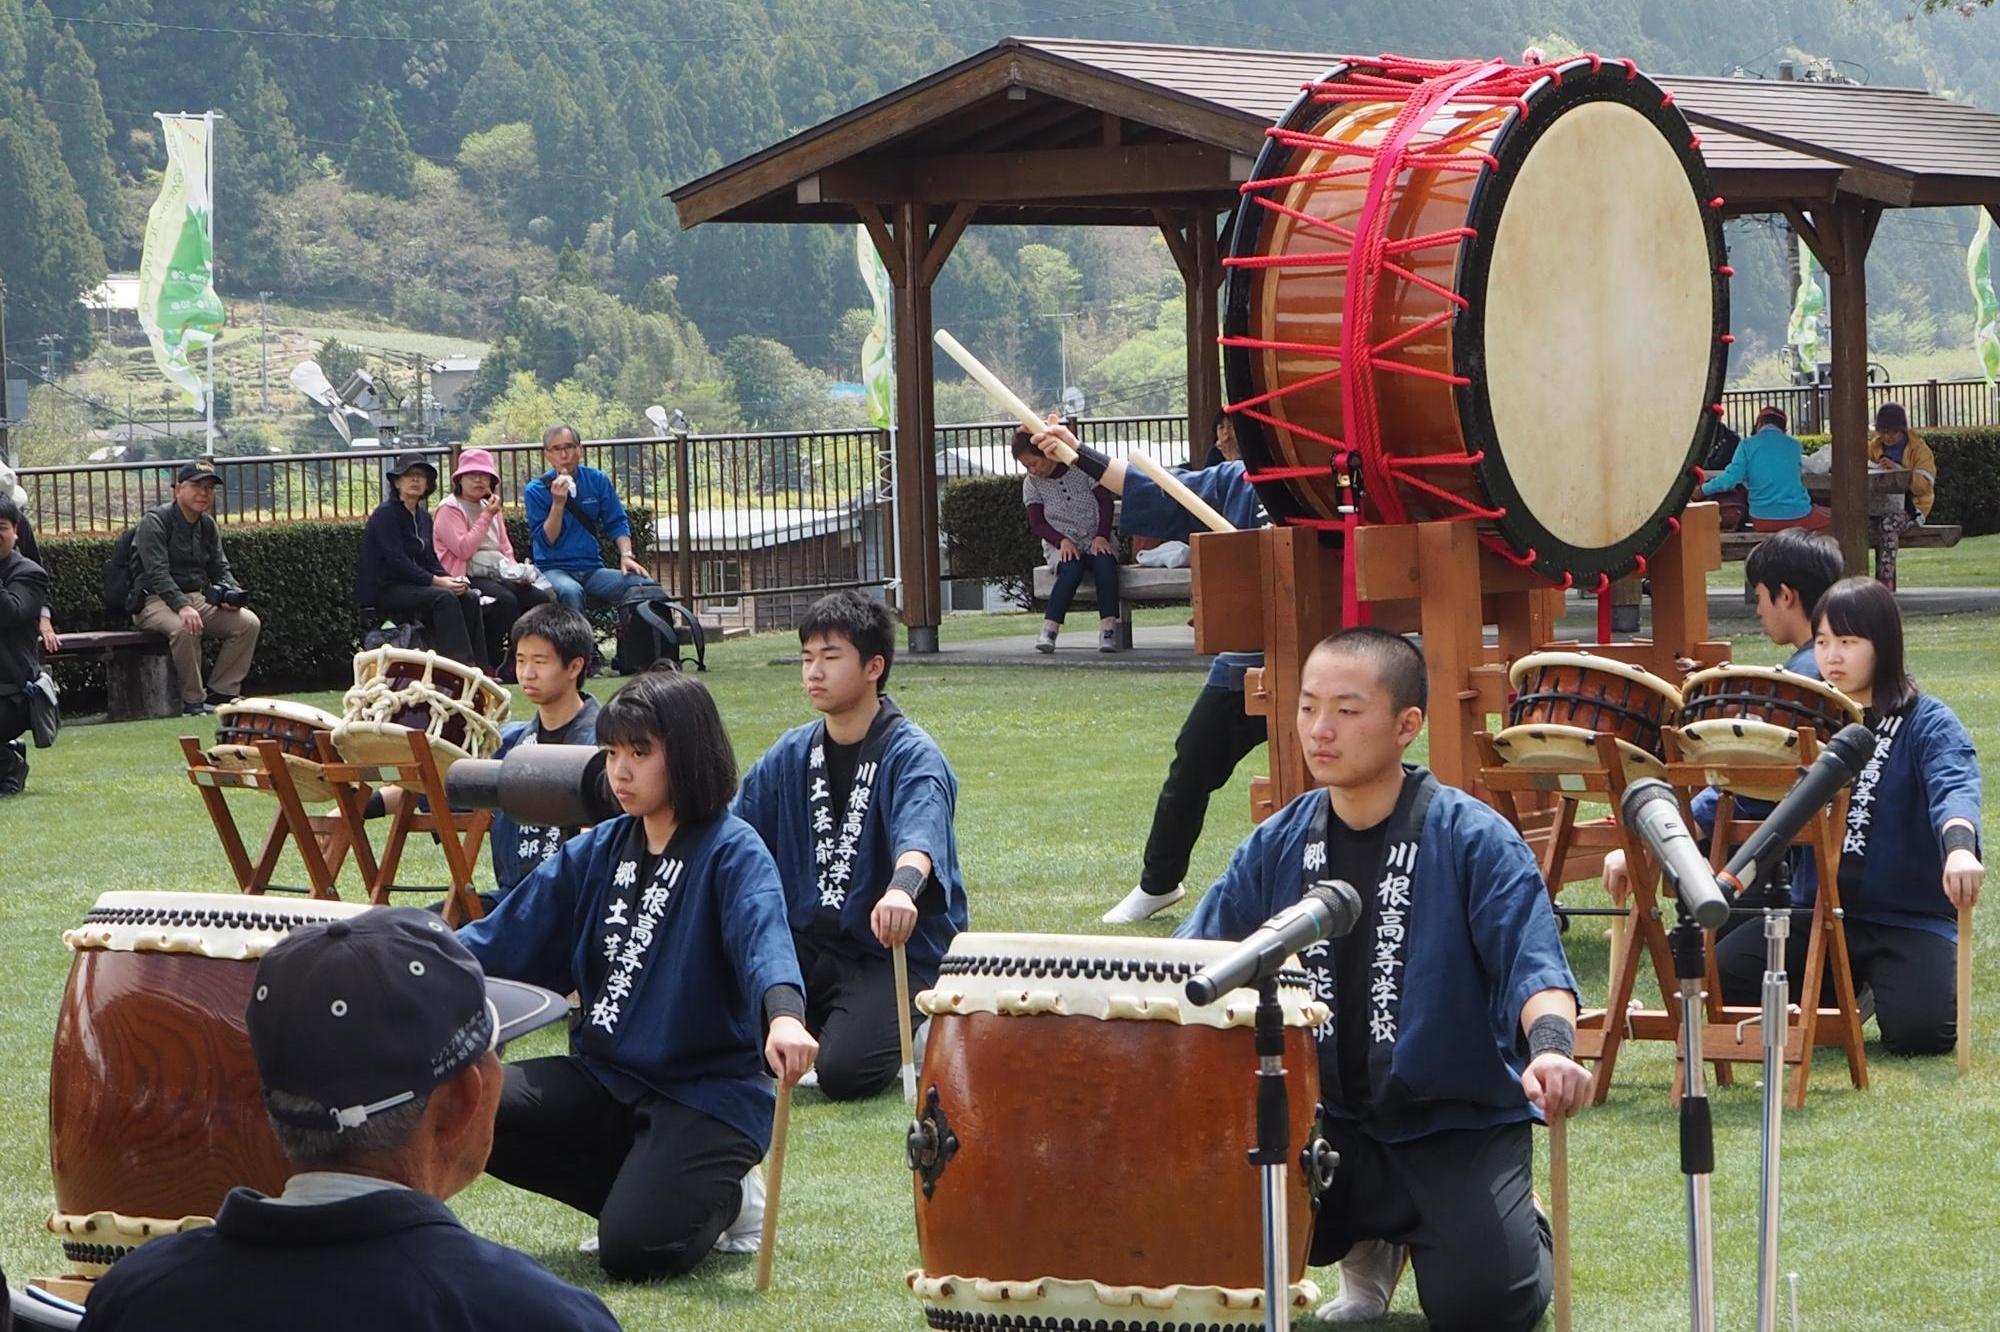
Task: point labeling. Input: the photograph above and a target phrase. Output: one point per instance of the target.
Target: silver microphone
(1651, 809)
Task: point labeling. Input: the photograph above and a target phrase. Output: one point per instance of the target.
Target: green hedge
(1968, 484)
(986, 535)
(301, 582)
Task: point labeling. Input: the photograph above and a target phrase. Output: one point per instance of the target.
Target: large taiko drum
(396, 691)
(1750, 716)
(1564, 700)
(154, 1107)
(1080, 1151)
(295, 727)
(1486, 293)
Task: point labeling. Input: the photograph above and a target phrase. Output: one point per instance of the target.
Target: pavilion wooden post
(914, 253)
(1840, 238)
(1193, 241)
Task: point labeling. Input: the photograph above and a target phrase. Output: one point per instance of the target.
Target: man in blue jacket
(376, 1041)
(569, 507)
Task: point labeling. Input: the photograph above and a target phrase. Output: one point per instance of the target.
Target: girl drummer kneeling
(669, 922)
(1909, 857)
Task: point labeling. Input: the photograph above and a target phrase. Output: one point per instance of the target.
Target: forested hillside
(494, 169)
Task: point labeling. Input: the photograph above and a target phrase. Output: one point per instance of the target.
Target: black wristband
(909, 878)
(1958, 837)
(1551, 1033)
(783, 1001)
(1091, 463)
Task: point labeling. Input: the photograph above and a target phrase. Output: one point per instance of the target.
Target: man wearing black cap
(399, 573)
(376, 1041)
(179, 569)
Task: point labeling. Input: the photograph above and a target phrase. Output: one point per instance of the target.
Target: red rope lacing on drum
(1369, 256)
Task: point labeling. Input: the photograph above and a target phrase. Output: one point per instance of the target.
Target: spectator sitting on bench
(569, 507)
(179, 567)
(399, 573)
(24, 541)
(1767, 461)
(470, 536)
(1071, 514)
(24, 591)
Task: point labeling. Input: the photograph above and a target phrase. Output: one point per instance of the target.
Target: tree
(48, 252)
(258, 151)
(379, 160)
(497, 93)
(72, 101)
(499, 165)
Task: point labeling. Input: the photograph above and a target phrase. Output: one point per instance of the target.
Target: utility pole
(6, 408)
(49, 341)
(263, 350)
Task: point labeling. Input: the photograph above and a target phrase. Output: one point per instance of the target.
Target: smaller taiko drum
(1750, 716)
(1081, 1147)
(1594, 693)
(458, 708)
(295, 727)
(155, 1110)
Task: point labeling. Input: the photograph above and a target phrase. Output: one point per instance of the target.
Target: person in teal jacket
(1767, 463)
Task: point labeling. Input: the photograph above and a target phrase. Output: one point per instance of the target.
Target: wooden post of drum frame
(459, 834)
(1732, 1034)
(323, 840)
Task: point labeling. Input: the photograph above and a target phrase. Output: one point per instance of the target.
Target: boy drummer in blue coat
(857, 809)
(669, 923)
(1452, 1010)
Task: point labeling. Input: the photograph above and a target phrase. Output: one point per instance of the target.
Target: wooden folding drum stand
(1732, 1033)
(323, 840)
(459, 834)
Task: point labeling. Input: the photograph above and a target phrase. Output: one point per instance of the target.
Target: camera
(235, 598)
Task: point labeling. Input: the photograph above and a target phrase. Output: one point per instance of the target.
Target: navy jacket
(395, 551)
(395, 1259)
(1150, 512)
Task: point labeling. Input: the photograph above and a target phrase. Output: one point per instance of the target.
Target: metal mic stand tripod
(1273, 1147)
(1775, 1017)
(1697, 1128)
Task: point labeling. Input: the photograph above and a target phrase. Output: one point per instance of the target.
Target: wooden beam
(1850, 383)
(885, 243)
(1032, 176)
(1031, 124)
(1177, 241)
(1808, 233)
(1831, 250)
(1204, 325)
(944, 238)
(916, 427)
(1113, 129)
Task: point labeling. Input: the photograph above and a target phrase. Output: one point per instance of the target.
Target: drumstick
(767, 1245)
(1007, 400)
(903, 1023)
(1559, 1223)
(1965, 989)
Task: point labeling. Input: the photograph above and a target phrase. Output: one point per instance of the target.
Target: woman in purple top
(1072, 516)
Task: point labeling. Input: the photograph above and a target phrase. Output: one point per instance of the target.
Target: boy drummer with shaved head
(1452, 1010)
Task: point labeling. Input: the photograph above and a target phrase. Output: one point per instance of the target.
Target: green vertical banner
(178, 306)
(1985, 309)
(877, 376)
(1808, 307)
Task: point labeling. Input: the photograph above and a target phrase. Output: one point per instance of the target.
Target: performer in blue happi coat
(1217, 733)
(857, 809)
(669, 923)
(1909, 857)
(1452, 1012)
(552, 646)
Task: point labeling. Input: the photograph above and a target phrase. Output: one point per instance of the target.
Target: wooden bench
(1138, 584)
(139, 677)
(1930, 536)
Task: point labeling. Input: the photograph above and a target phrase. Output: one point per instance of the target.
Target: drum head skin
(1547, 747)
(1589, 341)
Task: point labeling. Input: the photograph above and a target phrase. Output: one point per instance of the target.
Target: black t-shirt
(561, 734)
(841, 763)
(1355, 856)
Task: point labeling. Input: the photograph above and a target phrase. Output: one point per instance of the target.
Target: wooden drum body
(396, 691)
(1564, 700)
(155, 1111)
(1510, 310)
(1750, 716)
(1080, 1152)
(294, 726)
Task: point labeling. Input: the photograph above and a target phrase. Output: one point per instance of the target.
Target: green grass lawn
(1889, 1206)
(1973, 562)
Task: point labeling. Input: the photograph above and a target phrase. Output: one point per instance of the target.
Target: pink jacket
(457, 538)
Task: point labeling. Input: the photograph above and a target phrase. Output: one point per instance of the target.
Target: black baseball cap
(364, 1014)
(199, 470)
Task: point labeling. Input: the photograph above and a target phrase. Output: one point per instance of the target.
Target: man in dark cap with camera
(377, 1042)
(189, 593)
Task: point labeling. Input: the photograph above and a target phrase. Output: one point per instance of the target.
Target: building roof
(1165, 120)
(731, 529)
(118, 291)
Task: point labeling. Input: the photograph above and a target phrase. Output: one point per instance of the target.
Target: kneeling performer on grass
(857, 808)
(1452, 1010)
(669, 923)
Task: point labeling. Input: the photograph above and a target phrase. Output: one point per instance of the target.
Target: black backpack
(118, 576)
(647, 632)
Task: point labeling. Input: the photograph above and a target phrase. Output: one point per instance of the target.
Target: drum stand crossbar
(323, 840)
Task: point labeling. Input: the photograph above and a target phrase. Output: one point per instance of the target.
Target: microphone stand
(1273, 1146)
(1697, 1127)
(1775, 1018)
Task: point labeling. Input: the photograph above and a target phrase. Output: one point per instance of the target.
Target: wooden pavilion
(1039, 131)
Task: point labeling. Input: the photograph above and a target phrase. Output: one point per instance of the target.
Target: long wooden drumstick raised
(1008, 401)
(767, 1244)
(1559, 1223)
(902, 961)
(1964, 990)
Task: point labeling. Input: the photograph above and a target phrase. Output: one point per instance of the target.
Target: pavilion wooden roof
(1039, 130)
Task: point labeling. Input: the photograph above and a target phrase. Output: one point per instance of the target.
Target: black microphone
(558, 786)
(1651, 810)
(1839, 762)
(1328, 910)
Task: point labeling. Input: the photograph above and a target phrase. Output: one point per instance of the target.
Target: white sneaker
(811, 1079)
(746, 1232)
(1368, 1276)
(588, 1246)
(1139, 904)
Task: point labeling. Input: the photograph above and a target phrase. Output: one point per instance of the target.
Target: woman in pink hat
(470, 537)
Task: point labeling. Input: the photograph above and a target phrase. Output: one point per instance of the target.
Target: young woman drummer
(1909, 858)
(669, 922)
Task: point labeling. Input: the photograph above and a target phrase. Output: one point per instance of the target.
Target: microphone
(1651, 809)
(1328, 910)
(559, 786)
(1839, 762)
